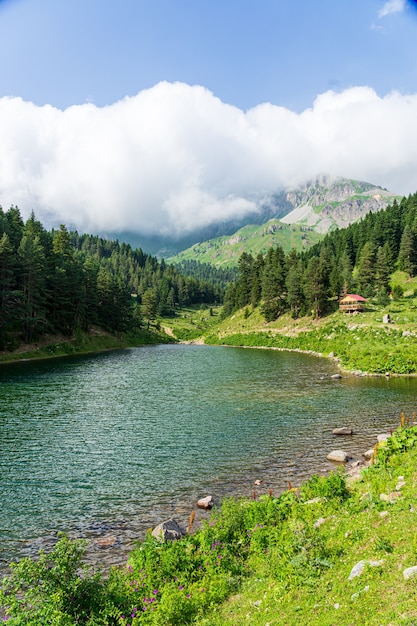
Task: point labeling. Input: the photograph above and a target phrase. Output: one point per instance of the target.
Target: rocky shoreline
(110, 541)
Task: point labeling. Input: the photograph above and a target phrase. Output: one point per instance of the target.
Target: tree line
(357, 259)
(59, 281)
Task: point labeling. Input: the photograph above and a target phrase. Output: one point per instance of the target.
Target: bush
(331, 486)
(57, 589)
(397, 292)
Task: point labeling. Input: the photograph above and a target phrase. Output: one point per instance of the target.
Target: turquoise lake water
(112, 444)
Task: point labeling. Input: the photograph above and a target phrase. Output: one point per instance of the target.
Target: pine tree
(33, 284)
(273, 284)
(382, 269)
(244, 284)
(366, 270)
(294, 287)
(256, 280)
(407, 255)
(315, 289)
(149, 305)
(9, 295)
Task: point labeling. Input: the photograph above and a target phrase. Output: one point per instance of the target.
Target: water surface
(114, 443)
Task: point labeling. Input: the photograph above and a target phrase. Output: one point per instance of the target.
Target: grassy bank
(191, 323)
(83, 343)
(359, 342)
(273, 560)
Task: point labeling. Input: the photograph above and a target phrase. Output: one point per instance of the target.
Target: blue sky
(168, 114)
(245, 51)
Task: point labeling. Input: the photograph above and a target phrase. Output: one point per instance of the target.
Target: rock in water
(338, 455)
(343, 430)
(168, 531)
(369, 453)
(206, 503)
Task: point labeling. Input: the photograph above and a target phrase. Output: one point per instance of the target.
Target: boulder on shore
(338, 455)
(383, 437)
(369, 454)
(168, 531)
(206, 503)
(343, 430)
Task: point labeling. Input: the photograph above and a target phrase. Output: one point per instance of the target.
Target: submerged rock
(369, 453)
(105, 542)
(338, 455)
(343, 430)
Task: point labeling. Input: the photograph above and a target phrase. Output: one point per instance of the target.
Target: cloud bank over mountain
(175, 158)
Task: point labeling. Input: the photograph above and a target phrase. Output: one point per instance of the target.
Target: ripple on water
(125, 439)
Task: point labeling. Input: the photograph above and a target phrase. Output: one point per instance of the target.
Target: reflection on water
(121, 440)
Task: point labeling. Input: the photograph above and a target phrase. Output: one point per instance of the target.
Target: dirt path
(168, 331)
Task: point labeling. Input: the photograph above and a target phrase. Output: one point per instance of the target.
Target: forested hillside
(58, 282)
(359, 259)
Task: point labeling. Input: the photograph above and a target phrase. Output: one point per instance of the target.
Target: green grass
(226, 251)
(361, 527)
(190, 323)
(360, 342)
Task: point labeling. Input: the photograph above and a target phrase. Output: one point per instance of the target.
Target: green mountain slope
(225, 251)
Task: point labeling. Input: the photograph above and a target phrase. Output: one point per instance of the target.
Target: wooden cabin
(352, 303)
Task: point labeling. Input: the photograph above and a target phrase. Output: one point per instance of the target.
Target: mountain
(225, 251)
(329, 202)
(295, 218)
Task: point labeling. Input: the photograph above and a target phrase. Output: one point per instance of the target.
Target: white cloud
(391, 6)
(175, 157)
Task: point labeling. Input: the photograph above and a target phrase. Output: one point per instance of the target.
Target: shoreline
(336, 360)
(110, 540)
(169, 337)
(62, 351)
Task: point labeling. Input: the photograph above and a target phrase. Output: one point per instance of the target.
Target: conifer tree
(366, 269)
(273, 284)
(33, 280)
(315, 289)
(9, 295)
(407, 255)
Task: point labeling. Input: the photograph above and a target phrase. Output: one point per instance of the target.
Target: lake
(106, 446)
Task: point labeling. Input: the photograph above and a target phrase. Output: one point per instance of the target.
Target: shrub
(397, 292)
(331, 486)
(57, 589)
